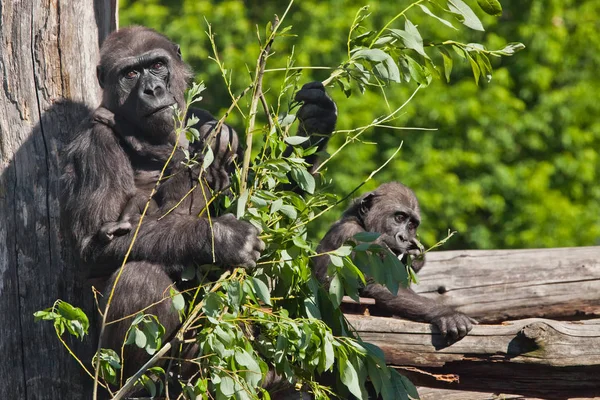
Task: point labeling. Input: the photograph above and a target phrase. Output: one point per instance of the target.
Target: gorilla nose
(401, 237)
(154, 90)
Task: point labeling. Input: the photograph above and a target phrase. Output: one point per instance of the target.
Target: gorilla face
(142, 75)
(393, 211)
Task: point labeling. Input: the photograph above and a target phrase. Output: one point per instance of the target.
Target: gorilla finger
(315, 96)
(313, 85)
(463, 330)
(228, 216)
(442, 326)
(261, 245)
(453, 331)
(473, 321)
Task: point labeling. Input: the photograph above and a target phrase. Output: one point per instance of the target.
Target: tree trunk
(48, 54)
(533, 357)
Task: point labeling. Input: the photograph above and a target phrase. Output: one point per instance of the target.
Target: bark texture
(48, 54)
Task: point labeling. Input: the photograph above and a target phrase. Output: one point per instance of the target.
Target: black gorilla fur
(114, 160)
(393, 211)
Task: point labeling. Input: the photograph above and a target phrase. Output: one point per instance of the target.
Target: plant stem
(256, 94)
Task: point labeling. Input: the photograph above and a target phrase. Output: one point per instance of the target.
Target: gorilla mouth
(159, 110)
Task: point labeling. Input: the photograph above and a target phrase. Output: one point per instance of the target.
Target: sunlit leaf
(469, 18)
(491, 7)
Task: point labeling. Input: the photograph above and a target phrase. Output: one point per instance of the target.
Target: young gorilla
(393, 211)
(115, 159)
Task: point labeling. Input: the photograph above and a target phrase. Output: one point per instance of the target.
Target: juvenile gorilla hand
(453, 324)
(318, 114)
(237, 243)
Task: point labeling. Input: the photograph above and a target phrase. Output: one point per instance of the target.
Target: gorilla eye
(400, 216)
(132, 73)
(157, 65)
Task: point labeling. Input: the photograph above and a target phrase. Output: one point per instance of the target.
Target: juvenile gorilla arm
(393, 211)
(317, 116)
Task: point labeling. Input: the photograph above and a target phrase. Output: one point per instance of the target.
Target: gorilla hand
(318, 114)
(453, 324)
(236, 242)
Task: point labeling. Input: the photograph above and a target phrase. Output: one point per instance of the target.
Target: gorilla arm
(98, 180)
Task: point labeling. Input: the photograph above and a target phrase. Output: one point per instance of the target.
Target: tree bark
(532, 357)
(48, 54)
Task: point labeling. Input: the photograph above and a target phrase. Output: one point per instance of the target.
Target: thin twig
(256, 94)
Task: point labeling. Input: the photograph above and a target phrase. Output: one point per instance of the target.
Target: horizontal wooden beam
(499, 285)
(532, 357)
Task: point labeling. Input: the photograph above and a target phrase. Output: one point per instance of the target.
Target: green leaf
(431, 14)
(287, 120)
(411, 37)
(304, 179)
(416, 71)
(289, 211)
(411, 390)
(261, 290)
(336, 260)
(475, 68)
(227, 386)
(178, 300)
(469, 18)
(329, 357)
(336, 291)
(349, 377)
(343, 251)
(140, 338)
(295, 140)
(511, 49)
(447, 62)
(375, 55)
(491, 7)
(366, 236)
(209, 157)
(384, 63)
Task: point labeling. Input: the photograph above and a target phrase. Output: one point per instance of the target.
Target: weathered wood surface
(48, 54)
(426, 393)
(532, 357)
(499, 285)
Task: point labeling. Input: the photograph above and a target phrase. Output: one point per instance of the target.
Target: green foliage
(65, 317)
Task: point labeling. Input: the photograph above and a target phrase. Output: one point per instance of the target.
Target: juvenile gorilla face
(393, 211)
(142, 76)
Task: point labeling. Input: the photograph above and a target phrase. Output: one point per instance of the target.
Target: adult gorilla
(118, 154)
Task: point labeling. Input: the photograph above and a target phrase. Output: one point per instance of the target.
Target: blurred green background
(514, 163)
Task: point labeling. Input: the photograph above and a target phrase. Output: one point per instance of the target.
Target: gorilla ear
(178, 51)
(365, 204)
(100, 76)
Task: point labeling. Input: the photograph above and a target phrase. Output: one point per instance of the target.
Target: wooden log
(498, 285)
(426, 393)
(532, 357)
